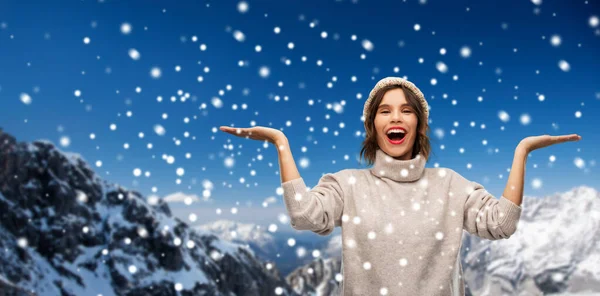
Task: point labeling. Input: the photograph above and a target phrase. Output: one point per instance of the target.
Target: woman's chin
(396, 151)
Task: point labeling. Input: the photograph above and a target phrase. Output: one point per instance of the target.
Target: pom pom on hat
(395, 81)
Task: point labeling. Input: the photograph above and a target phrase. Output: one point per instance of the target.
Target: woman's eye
(402, 111)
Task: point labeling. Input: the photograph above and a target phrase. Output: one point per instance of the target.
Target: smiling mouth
(396, 136)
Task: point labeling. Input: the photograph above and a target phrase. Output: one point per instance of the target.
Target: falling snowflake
(180, 171)
(137, 172)
(134, 54)
(555, 40)
(579, 162)
(564, 65)
(503, 115)
(441, 67)
(125, 28)
(264, 72)
(243, 7)
(229, 162)
(525, 119)
(594, 21)
(536, 183)
(465, 52)
(178, 287)
(239, 36)
(155, 72)
(25, 98)
(159, 130)
(22, 242)
(367, 45)
(65, 141)
(132, 269)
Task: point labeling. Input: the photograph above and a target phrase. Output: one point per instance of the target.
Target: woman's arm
(287, 166)
(318, 209)
(514, 186)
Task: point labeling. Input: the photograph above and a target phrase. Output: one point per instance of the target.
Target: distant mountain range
(286, 250)
(64, 231)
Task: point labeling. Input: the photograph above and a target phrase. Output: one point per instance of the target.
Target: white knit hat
(395, 81)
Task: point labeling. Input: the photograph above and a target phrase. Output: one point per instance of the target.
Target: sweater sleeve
(318, 209)
(484, 215)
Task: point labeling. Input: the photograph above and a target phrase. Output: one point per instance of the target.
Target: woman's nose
(396, 115)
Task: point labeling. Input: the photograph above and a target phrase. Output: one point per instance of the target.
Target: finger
(227, 128)
(233, 130)
(571, 137)
(236, 130)
(559, 139)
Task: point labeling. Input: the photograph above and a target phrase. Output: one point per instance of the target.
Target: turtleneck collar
(398, 170)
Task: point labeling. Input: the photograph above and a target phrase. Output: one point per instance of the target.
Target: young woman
(402, 223)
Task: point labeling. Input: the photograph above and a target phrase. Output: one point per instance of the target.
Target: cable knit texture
(402, 223)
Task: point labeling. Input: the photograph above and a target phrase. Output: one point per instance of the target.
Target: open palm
(260, 133)
(537, 142)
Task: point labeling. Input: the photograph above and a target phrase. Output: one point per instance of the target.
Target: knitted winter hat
(395, 81)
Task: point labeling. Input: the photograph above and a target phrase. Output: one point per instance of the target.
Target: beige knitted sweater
(402, 223)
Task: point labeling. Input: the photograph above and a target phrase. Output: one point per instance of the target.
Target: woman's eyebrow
(386, 105)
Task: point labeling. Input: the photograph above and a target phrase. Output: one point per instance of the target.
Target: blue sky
(535, 61)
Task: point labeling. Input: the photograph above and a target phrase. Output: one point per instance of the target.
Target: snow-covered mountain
(307, 276)
(272, 246)
(242, 233)
(555, 251)
(321, 277)
(64, 231)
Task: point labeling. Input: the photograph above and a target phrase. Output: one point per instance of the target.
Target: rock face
(64, 231)
(320, 277)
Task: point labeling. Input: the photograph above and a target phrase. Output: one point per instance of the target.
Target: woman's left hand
(536, 142)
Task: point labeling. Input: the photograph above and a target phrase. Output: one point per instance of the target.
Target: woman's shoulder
(351, 174)
(440, 171)
(347, 172)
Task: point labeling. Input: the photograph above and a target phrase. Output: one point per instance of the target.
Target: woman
(402, 223)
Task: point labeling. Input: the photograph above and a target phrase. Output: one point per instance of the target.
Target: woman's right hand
(255, 133)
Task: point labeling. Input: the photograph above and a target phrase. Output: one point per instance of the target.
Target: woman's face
(394, 111)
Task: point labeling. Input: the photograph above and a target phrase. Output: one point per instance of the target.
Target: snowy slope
(556, 249)
(271, 246)
(65, 231)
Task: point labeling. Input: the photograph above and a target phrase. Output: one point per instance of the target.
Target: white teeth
(395, 131)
